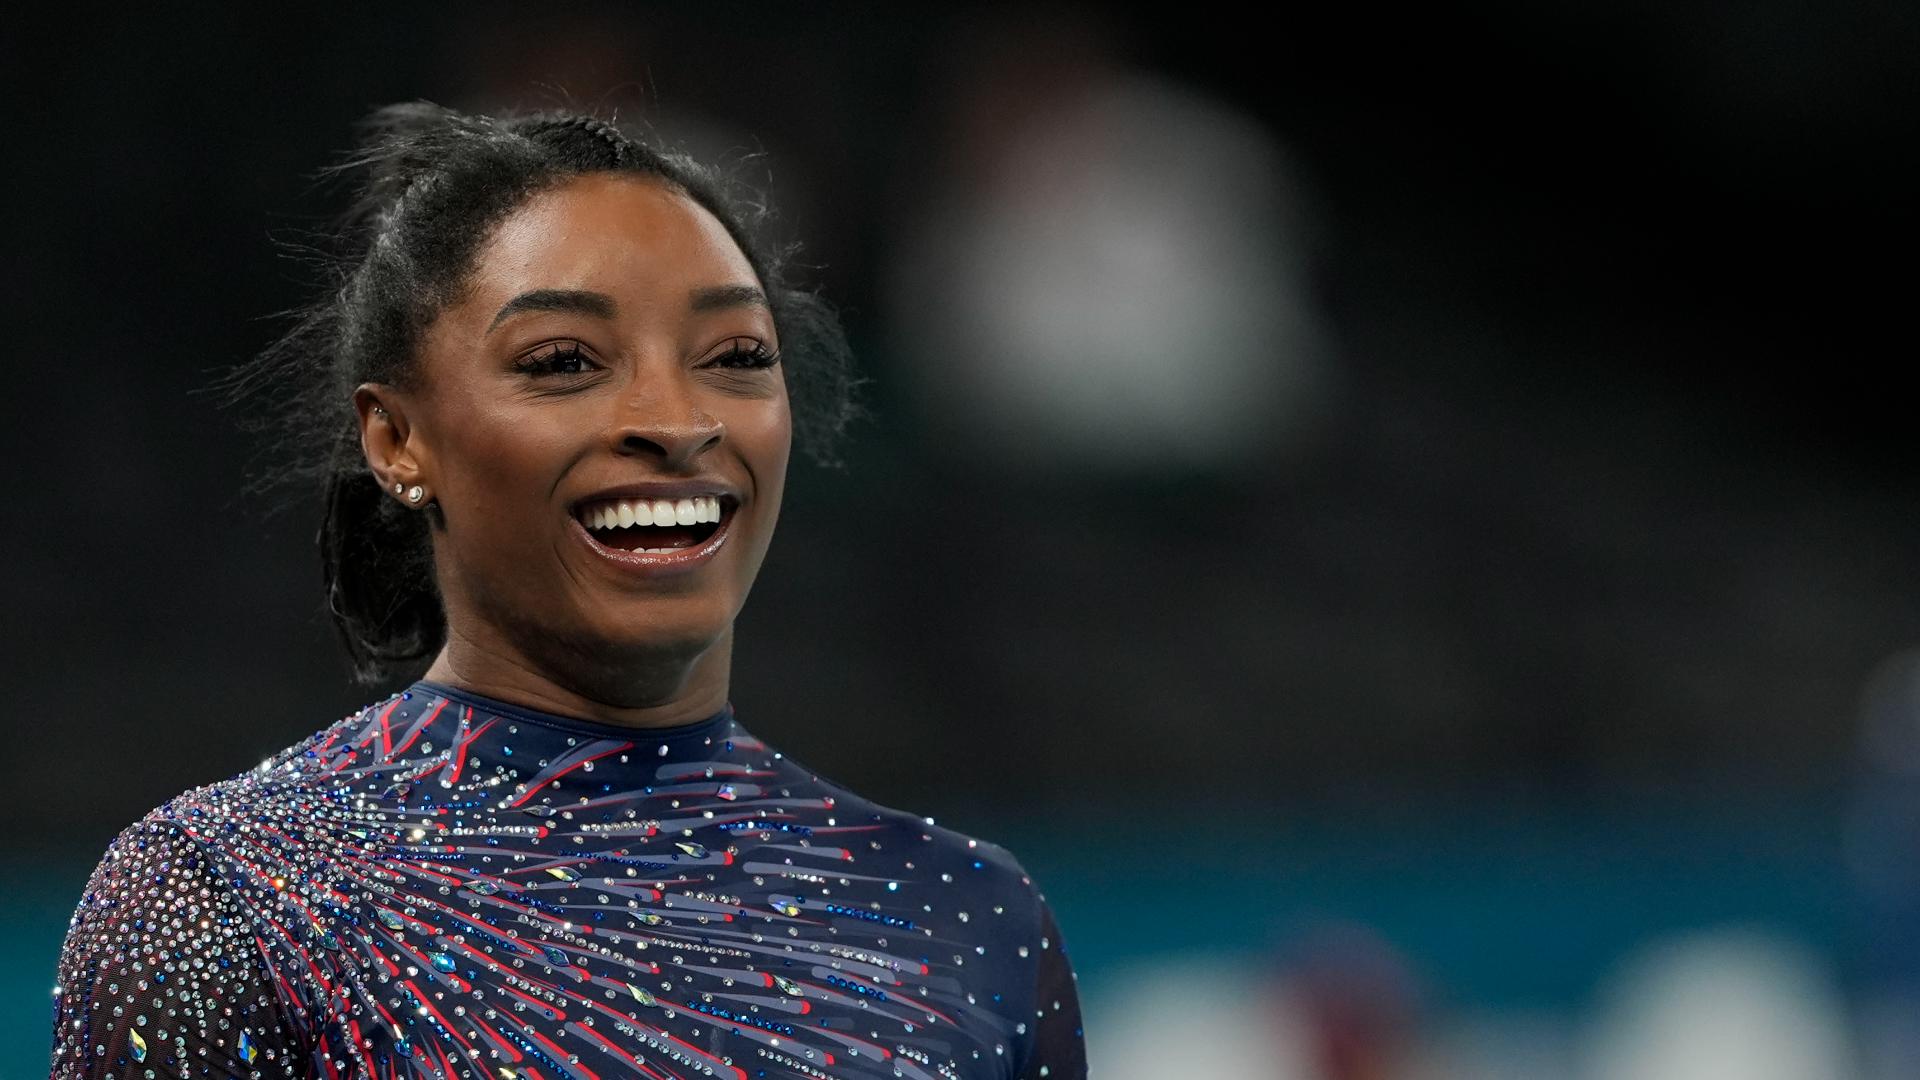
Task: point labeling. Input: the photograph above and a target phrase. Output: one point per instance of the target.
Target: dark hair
(431, 184)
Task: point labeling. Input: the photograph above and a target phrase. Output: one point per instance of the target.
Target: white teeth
(627, 513)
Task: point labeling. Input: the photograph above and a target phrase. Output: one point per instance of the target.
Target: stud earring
(415, 494)
(378, 411)
(398, 488)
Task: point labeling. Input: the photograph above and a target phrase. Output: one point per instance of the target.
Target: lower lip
(658, 563)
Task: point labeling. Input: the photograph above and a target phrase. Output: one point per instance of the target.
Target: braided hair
(431, 184)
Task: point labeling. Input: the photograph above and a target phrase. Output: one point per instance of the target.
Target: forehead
(633, 237)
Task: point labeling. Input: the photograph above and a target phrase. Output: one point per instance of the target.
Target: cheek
(502, 468)
(768, 434)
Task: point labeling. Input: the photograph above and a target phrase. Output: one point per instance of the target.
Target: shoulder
(149, 861)
(141, 879)
(949, 885)
(184, 838)
(155, 863)
(1016, 939)
(962, 906)
(947, 864)
(166, 959)
(157, 940)
(224, 842)
(953, 875)
(980, 900)
(200, 846)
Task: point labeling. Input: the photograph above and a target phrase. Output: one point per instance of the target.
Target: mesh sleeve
(160, 975)
(1059, 1043)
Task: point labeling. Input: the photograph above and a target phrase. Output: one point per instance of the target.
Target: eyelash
(756, 357)
(548, 362)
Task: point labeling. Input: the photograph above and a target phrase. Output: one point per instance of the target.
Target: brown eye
(746, 353)
(564, 358)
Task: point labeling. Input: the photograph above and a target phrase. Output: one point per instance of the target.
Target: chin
(659, 631)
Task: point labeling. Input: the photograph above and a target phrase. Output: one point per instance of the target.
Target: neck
(653, 691)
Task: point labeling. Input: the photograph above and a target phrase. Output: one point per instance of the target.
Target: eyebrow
(600, 305)
(582, 301)
(716, 297)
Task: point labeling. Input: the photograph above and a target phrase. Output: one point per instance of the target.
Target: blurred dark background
(1403, 519)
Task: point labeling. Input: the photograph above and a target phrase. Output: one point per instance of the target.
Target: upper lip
(664, 489)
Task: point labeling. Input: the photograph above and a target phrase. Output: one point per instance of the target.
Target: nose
(661, 417)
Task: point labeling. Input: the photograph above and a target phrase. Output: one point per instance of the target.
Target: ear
(389, 440)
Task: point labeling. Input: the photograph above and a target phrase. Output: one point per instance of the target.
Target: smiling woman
(549, 398)
(611, 347)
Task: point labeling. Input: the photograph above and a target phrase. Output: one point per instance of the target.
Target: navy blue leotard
(445, 885)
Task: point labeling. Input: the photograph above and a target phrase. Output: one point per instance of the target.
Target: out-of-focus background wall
(1403, 518)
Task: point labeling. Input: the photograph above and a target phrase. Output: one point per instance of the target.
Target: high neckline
(526, 714)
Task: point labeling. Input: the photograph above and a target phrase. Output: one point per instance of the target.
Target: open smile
(656, 535)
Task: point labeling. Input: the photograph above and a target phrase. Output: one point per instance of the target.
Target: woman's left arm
(1059, 1045)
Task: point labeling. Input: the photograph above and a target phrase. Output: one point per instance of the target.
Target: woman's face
(611, 353)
